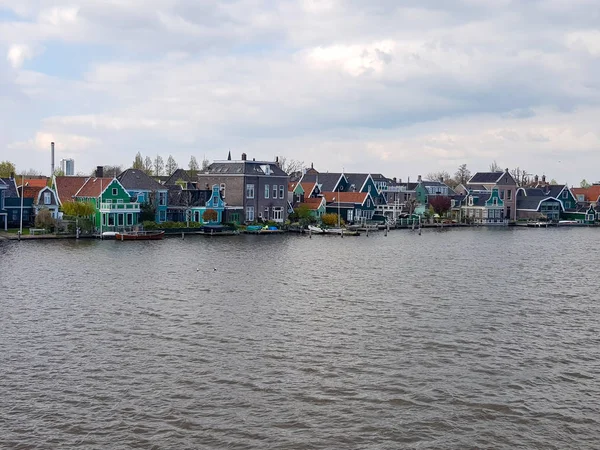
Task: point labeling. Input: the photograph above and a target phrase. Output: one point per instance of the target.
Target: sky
(383, 86)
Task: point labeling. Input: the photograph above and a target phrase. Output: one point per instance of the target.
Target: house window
(274, 191)
(509, 194)
(495, 202)
(120, 200)
(565, 194)
(46, 198)
(250, 214)
(114, 191)
(278, 214)
(250, 191)
(266, 191)
(281, 191)
(470, 201)
(104, 219)
(140, 197)
(502, 194)
(111, 220)
(266, 213)
(162, 216)
(129, 219)
(580, 197)
(162, 198)
(368, 203)
(121, 219)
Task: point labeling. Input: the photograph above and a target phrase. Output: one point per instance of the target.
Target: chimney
(51, 158)
(535, 179)
(543, 178)
(99, 171)
(243, 157)
(394, 180)
(399, 180)
(419, 179)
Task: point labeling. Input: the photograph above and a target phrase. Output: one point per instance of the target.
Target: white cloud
(18, 54)
(378, 85)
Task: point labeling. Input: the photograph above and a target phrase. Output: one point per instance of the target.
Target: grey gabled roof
(133, 179)
(243, 167)
(356, 179)
(327, 181)
(11, 191)
(485, 177)
(532, 202)
(480, 199)
(179, 174)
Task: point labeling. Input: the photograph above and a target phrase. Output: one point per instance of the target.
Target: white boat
(315, 230)
(337, 231)
(568, 222)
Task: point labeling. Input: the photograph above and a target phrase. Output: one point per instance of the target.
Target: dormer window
(470, 201)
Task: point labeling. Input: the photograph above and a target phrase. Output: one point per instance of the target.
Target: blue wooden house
(215, 202)
(146, 191)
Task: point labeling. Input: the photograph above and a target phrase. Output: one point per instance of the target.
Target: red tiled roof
(346, 197)
(67, 187)
(591, 194)
(93, 187)
(308, 187)
(31, 191)
(35, 182)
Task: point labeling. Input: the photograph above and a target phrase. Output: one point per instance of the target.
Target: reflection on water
(469, 338)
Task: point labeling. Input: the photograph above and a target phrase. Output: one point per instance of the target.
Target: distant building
(68, 167)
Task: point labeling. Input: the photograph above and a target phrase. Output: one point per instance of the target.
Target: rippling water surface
(463, 339)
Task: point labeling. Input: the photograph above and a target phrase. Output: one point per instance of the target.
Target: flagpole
(22, 195)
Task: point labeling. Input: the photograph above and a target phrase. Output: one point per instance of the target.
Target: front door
(350, 215)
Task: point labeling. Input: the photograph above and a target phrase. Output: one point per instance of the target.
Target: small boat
(315, 230)
(109, 234)
(140, 235)
(563, 223)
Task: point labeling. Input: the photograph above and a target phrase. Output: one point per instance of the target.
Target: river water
(472, 338)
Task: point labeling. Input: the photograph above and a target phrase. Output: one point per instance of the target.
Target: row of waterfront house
(248, 191)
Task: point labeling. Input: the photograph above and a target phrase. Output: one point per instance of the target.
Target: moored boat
(140, 235)
(315, 230)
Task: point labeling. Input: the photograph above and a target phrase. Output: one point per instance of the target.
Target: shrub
(210, 215)
(44, 219)
(331, 220)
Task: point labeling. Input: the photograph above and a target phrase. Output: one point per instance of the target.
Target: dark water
(464, 339)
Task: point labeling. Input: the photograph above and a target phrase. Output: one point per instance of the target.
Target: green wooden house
(115, 208)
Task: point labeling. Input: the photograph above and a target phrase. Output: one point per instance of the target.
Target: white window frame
(47, 198)
(281, 191)
(250, 190)
(115, 191)
(162, 198)
(266, 213)
(275, 191)
(250, 214)
(267, 188)
(278, 214)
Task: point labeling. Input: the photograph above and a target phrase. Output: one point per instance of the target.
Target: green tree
(138, 162)
(6, 169)
(171, 165)
(210, 215)
(584, 184)
(159, 166)
(78, 209)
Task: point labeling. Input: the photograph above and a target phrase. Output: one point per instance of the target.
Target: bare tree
(520, 175)
(193, 166)
(442, 176)
(171, 165)
(159, 166)
(462, 175)
(290, 166)
(148, 165)
(205, 164)
(495, 167)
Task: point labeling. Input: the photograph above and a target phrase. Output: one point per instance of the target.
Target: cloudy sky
(399, 87)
